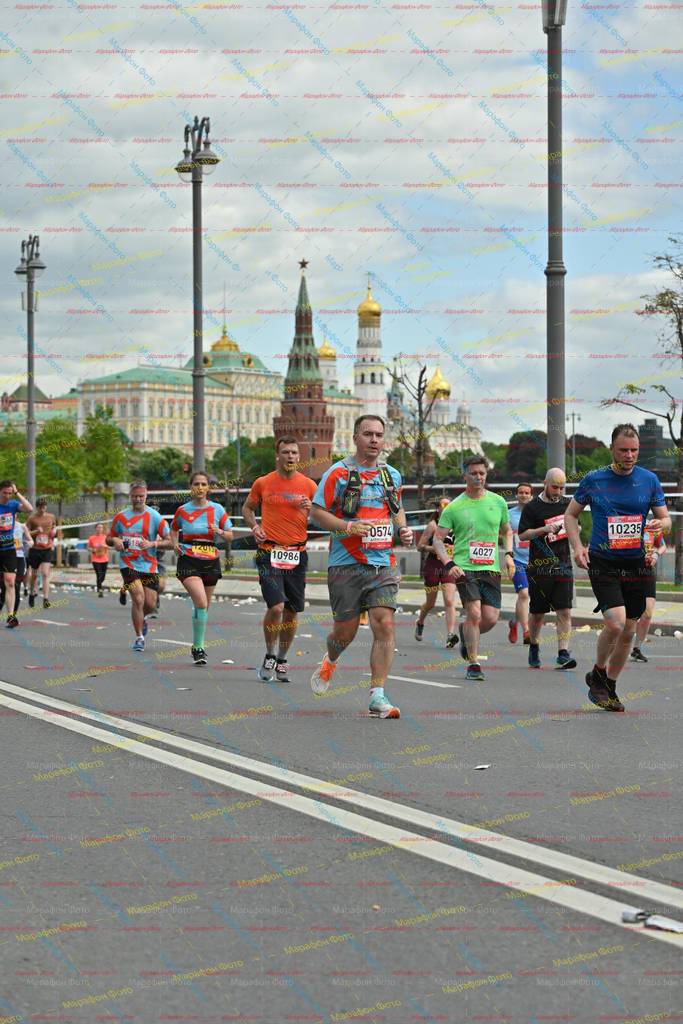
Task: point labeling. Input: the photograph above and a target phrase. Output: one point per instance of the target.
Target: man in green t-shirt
(478, 519)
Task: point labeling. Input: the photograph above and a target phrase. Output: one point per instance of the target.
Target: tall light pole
(197, 160)
(574, 416)
(554, 16)
(30, 267)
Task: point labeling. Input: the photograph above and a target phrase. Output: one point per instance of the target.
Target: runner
(655, 543)
(21, 537)
(435, 576)
(551, 581)
(42, 526)
(194, 530)
(356, 501)
(281, 559)
(477, 519)
(620, 496)
(99, 555)
(136, 532)
(520, 553)
(11, 502)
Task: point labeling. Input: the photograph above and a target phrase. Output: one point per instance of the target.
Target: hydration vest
(350, 500)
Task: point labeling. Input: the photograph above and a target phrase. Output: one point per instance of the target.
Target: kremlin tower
(304, 412)
(370, 378)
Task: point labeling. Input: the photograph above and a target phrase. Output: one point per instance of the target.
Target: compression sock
(199, 619)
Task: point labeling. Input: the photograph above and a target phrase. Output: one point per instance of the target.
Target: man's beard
(553, 500)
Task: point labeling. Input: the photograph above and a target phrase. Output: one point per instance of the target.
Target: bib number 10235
(624, 531)
(482, 552)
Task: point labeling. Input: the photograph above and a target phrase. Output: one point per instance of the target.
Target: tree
(524, 449)
(403, 460)
(417, 439)
(165, 468)
(13, 456)
(497, 456)
(449, 469)
(668, 304)
(60, 466)
(105, 454)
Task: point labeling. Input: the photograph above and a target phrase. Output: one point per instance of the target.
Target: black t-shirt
(546, 555)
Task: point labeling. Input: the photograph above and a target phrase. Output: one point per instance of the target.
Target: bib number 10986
(283, 558)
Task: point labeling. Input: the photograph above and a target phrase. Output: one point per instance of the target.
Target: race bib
(561, 533)
(624, 531)
(284, 558)
(381, 535)
(482, 552)
(519, 543)
(134, 541)
(6, 521)
(42, 540)
(203, 551)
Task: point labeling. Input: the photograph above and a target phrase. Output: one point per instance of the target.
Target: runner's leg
(645, 621)
(471, 629)
(287, 631)
(426, 607)
(448, 591)
(563, 618)
(137, 600)
(272, 626)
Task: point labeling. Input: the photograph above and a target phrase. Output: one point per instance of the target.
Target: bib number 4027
(482, 552)
(624, 531)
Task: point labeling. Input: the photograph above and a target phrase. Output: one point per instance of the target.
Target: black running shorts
(150, 580)
(207, 569)
(550, 592)
(282, 586)
(619, 582)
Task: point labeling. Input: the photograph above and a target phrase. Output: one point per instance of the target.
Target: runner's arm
(662, 518)
(424, 542)
(248, 511)
(26, 506)
(330, 522)
(571, 525)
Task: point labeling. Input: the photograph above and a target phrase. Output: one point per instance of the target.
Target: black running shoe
(12, 622)
(534, 656)
(122, 596)
(615, 704)
(32, 600)
(419, 630)
(46, 603)
(637, 655)
(600, 694)
(474, 672)
(199, 656)
(281, 671)
(564, 660)
(451, 639)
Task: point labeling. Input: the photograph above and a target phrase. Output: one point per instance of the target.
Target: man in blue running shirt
(620, 497)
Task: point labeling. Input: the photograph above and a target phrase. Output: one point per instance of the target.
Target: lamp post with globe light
(30, 267)
(554, 14)
(197, 160)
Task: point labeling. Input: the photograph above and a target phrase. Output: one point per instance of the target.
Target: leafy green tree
(497, 456)
(60, 466)
(165, 468)
(524, 448)
(223, 465)
(13, 456)
(403, 459)
(448, 469)
(105, 454)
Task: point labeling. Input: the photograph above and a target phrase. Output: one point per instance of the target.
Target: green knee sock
(199, 619)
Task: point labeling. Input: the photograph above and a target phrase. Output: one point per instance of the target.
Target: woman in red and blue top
(195, 528)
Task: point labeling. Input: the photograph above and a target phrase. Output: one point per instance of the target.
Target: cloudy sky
(403, 139)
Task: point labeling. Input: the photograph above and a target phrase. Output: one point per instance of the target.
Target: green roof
(150, 375)
(332, 391)
(42, 415)
(222, 361)
(21, 394)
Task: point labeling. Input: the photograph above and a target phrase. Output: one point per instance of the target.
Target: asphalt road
(146, 877)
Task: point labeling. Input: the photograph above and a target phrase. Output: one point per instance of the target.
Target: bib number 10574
(381, 535)
(624, 531)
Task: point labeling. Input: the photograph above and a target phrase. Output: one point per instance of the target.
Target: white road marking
(568, 864)
(575, 899)
(422, 682)
(47, 622)
(161, 640)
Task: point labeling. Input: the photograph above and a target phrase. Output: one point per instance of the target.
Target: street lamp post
(574, 416)
(554, 16)
(197, 160)
(30, 267)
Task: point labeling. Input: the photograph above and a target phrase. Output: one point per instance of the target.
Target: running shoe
(12, 622)
(534, 656)
(381, 707)
(145, 627)
(451, 639)
(320, 680)
(615, 703)
(600, 693)
(32, 600)
(565, 660)
(526, 639)
(122, 596)
(154, 614)
(138, 644)
(100, 593)
(474, 672)
(419, 630)
(281, 671)
(513, 631)
(265, 673)
(463, 645)
(637, 655)
(46, 603)
(199, 656)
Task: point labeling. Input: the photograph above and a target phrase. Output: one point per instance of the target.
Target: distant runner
(520, 553)
(42, 525)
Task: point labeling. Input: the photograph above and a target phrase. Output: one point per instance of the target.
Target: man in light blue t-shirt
(620, 497)
(520, 554)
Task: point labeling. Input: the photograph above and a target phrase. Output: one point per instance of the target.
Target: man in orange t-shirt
(285, 500)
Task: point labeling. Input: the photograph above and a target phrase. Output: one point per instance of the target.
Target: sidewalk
(668, 613)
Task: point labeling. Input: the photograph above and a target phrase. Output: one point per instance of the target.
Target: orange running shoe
(320, 680)
(512, 631)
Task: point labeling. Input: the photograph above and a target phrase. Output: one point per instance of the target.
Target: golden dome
(225, 343)
(369, 311)
(438, 385)
(326, 351)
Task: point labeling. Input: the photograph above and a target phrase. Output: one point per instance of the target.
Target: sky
(406, 140)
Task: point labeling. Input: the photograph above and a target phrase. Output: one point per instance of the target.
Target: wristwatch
(510, 553)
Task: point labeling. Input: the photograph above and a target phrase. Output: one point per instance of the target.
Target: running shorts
(618, 582)
(207, 569)
(550, 592)
(282, 586)
(148, 579)
(36, 557)
(480, 585)
(353, 588)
